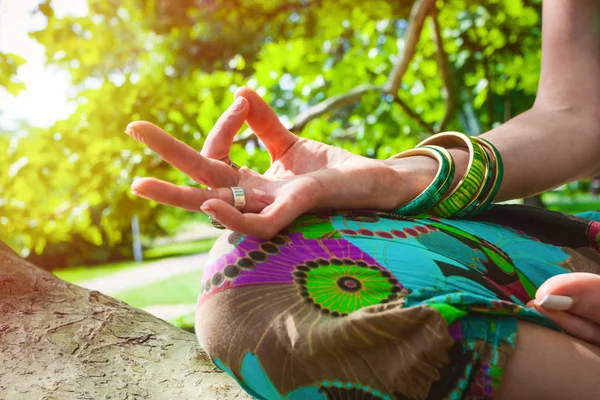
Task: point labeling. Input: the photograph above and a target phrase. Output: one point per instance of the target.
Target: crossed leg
(550, 365)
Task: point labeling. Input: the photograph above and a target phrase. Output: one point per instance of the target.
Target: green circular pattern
(342, 288)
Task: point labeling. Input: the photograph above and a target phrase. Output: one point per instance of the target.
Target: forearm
(543, 149)
(558, 140)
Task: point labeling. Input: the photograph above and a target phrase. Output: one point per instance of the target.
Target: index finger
(203, 170)
(219, 140)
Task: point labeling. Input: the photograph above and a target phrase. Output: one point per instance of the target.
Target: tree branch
(444, 66)
(419, 12)
(489, 100)
(348, 134)
(246, 137)
(332, 103)
(60, 341)
(409, 111)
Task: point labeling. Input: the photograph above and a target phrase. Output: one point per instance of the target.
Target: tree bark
(60, 341)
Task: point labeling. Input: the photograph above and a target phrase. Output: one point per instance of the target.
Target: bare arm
(558, 140)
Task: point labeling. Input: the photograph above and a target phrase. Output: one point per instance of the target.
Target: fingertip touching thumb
(265, 123)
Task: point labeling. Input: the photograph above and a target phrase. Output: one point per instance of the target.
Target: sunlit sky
(46, 98)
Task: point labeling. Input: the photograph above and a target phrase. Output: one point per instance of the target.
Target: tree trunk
(60, 341)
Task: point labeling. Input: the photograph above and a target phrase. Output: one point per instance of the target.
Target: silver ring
(215, 223)
(233, 165)
(239, 197)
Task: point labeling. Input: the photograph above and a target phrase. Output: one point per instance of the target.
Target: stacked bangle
(472, 183)
(496, 178)
(488, 183)
(438, 187)
(476, 190)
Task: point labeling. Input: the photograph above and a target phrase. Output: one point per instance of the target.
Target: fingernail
(208, 211)
(556, 302)
(134, 134)
(140, 194)
(238, 104)
(129, 129)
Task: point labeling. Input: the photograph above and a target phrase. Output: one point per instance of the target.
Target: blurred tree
(373, 77)
(9, 63)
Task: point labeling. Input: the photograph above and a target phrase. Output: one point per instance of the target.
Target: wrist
(461, 160)
(415, 173)
(412, 175)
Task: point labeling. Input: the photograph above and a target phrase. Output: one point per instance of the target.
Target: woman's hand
(572, 301)
(305, 175)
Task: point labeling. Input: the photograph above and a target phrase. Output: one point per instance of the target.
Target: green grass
(179, 249)
(574, 208)
(571, 205)
(180, 289)
(81, 274)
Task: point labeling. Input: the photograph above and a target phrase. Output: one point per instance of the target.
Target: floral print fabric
(370, 305)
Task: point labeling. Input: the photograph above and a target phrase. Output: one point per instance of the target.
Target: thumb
(579, 293)
(572, 301)
(266, 125)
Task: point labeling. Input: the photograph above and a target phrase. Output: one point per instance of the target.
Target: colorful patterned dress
(371, 305)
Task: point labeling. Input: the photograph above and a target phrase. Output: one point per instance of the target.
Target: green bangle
(487, 185)
(495, 182)
(437, 188)
(472, 183)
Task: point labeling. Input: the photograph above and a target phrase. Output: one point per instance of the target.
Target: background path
(146, 274)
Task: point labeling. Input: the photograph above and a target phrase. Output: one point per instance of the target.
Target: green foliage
(172, 62)
(9, 63)
(179, 249)
(570, 200)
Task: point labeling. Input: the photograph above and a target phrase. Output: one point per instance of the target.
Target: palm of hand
(306, 156)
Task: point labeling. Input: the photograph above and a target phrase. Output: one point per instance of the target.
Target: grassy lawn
(179, 249)
(572, 205)
(180, 289)
(81, 274)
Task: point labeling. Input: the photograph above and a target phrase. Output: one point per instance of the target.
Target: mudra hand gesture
(304, 174)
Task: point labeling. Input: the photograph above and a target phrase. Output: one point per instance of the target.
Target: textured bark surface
(60, 341)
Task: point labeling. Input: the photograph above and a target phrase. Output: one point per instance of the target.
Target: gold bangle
(473, 181)
(496, 182)
(438, 186)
